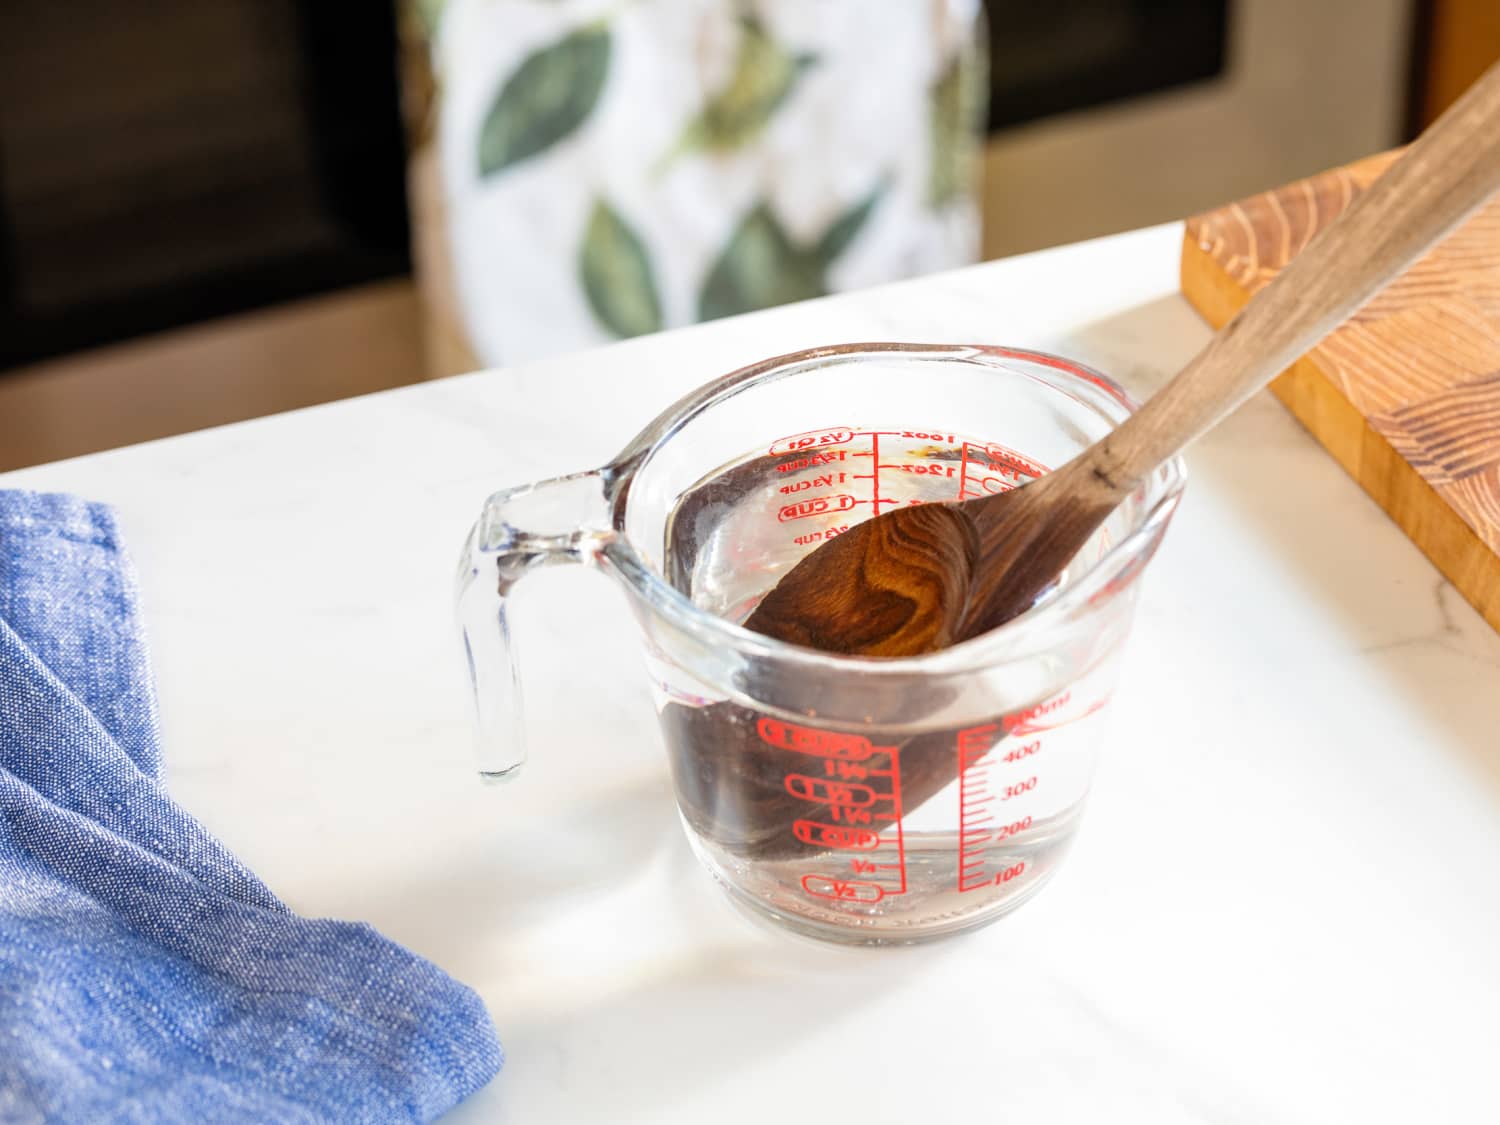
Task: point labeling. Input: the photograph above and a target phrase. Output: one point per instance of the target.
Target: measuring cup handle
(565, 520)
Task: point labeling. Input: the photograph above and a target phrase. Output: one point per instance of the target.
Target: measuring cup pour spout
(564, 520)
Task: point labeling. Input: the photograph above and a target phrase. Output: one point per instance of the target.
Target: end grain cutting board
(1406, 395)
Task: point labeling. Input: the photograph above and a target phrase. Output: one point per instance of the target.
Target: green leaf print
(955, 119)
(546, 98)
(765, 73)
(616, 274)
(761, 266)
(841, 232)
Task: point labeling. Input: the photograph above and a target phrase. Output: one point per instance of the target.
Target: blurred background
(215, 210)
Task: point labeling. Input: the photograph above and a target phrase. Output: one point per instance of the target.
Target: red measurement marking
(1023, 721)
(848, 823)
(1000, 460)
(814, 536)
(827, 792)
(1008, 459)
(1023, 751)
(922, 469)
(973, 816)
(949, 438)
(811, 462)
(875, 476)
(899, 812)
(847, 890)
(807, 740)
(836, 836)
(1014, 828)
(811, 439)
(1043, 717)
(993, 485)
(1010, 873)
(974, 741)
(817, 506)
(828, 480)
(849, 814)
(845, 771)
(1018, 788)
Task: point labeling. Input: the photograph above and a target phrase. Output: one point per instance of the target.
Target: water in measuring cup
(861, 833)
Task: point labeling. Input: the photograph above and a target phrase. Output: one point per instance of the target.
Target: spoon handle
(1441, 178)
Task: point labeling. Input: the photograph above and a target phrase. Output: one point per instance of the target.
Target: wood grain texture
(1406, 396)
(916, 580)
(894, 586)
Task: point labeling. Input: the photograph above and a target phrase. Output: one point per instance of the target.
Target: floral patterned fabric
(615, 168)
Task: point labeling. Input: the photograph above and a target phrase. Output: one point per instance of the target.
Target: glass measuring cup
(860, 800)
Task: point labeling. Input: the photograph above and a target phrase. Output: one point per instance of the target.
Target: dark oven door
(171, 160)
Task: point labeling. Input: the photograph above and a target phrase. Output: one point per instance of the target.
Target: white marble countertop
(1284, 905)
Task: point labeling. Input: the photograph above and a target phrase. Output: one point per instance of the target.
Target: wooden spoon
(918, 579)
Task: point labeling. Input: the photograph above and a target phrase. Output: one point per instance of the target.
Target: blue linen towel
(145, 973)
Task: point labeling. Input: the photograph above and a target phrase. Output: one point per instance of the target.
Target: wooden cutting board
(1406, 396)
